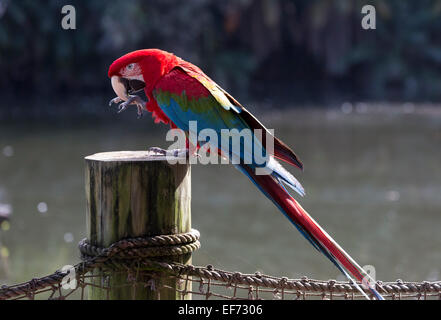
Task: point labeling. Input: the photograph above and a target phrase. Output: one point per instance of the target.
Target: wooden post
(136, 193)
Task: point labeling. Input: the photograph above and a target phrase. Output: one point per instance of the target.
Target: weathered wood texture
(136, 193)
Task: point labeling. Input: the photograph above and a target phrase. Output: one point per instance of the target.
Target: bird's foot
(132, 100)
(115, 100)
(158, 150)
(176, 153)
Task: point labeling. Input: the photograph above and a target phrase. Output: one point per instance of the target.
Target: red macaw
(179, 92)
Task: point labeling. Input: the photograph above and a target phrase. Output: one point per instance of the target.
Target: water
(372, 178)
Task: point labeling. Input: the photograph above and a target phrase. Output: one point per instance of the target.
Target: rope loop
(139, 254)
(142, 247)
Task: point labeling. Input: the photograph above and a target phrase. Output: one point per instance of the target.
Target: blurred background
(360, 107)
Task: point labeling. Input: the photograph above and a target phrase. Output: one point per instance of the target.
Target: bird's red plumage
(155, 64)
(301, 218)
(177, 81)
(176, 76)
(158, 65)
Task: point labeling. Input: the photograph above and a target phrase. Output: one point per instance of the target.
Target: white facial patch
(132, 73)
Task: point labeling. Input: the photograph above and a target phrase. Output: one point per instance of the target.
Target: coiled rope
(141, 251)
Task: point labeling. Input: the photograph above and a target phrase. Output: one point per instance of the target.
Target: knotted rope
(143, 247)
(116, 256)
(141, 252)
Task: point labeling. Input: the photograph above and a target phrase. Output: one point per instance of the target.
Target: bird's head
(139, 70)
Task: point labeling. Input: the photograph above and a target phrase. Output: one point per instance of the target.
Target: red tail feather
(271, 187)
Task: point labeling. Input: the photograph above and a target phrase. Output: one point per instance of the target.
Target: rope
(129, 254)
(144, 247)
(304, 285)
(115, 257)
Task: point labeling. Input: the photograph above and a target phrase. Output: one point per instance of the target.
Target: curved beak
(124, 87)
(119, 87)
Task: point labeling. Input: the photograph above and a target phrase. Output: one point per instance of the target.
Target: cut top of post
(135, 193)
(131, 156)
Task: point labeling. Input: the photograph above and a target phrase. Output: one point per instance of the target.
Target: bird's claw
(123, 106)
(176, 153)
(115, 100)
(140, 111)
(132, 100)
(158, 150)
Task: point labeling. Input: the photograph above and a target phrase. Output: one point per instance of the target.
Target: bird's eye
(130, 66)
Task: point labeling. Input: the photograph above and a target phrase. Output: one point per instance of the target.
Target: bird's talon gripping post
(177, 153)
(158, 150)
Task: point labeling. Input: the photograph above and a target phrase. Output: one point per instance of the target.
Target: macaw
(179, 92)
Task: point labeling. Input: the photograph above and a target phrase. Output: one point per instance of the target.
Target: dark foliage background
(300, 51)
(370, 138)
